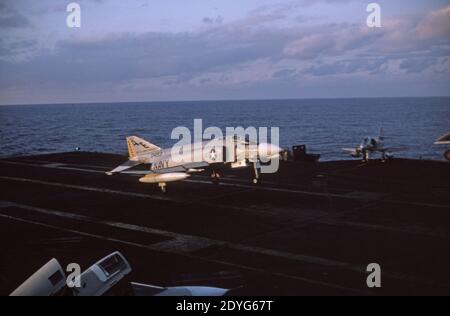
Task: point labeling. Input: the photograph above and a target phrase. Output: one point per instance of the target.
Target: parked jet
(50, 279)
(164, 168)
(98, 280)
(371, 145)
(140, 289)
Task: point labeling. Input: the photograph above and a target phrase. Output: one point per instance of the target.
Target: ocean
(325, 126)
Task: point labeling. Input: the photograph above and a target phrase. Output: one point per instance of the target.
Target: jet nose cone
(275, 149)
(269, 150)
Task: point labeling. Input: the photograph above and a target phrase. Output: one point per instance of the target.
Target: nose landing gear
(163, 187)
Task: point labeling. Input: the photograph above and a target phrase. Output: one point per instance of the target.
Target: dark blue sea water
(325, 125)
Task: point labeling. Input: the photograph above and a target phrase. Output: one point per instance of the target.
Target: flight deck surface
(312, 228)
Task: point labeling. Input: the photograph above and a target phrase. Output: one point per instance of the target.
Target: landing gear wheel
(163, 187)
(256, 169)
(215, 177)
(366, 157)
(384, 157)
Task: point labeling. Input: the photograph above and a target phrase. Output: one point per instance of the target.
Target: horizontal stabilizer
(127, 165)
(444, 139)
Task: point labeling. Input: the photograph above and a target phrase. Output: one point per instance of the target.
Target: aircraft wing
(138, 172)
(352, 150)
(444, 139)
(127, 165)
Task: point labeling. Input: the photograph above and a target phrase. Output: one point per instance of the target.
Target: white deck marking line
(51, 166)
(134, 194)
(329, 221)
(190, 239)
(47, 162)
(184, 245)
(150, 247)
(415, 230)
(230, 177)
(252, 187)
(93, 189)
(328, 195)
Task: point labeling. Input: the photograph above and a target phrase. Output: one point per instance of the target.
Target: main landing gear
(256, 168)
(365, 156)
(383, 157)
(215, 177)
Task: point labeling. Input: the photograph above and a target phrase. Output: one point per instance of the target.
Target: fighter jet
(140, 289)
(229, 152)
(371, 145)
(50, 279)
(98, 280)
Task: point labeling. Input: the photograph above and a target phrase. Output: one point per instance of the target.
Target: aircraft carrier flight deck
(310, 229)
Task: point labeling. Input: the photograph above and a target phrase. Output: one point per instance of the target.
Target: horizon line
(226, 100)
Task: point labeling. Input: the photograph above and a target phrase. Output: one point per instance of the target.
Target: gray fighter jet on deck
(229, 152)
(371, 145)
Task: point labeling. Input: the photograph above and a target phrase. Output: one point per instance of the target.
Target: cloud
(229, 58)
(349, 66)
(217, 20)
(17, 48)
(285, 74)
(435, 25)
(13, 21)
(416, 65)
(10, 18)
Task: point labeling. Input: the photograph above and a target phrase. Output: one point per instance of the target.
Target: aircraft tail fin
(138, 146)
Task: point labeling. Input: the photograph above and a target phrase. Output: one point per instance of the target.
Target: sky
(164, 50)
